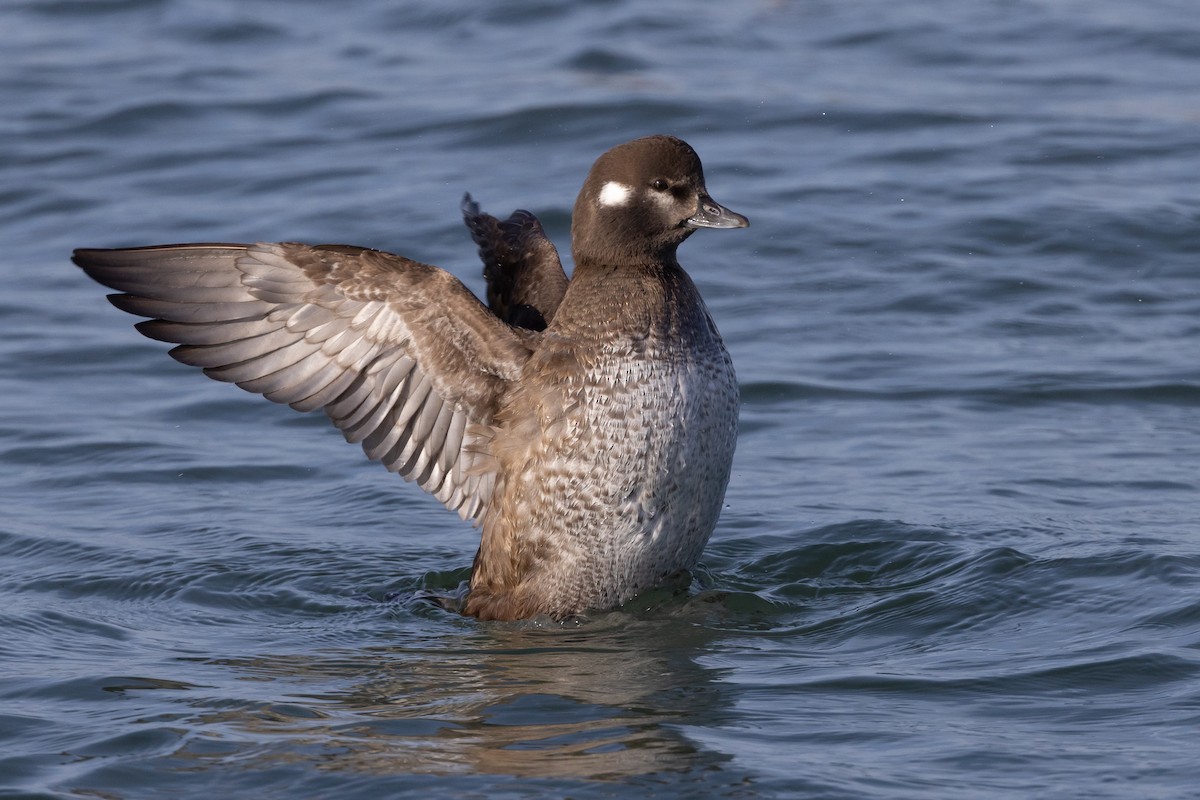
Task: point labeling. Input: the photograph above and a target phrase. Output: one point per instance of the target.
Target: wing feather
(400, 355)
(525, 278)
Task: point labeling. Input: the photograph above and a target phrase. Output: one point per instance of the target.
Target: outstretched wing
(399, 355)
(525, 278)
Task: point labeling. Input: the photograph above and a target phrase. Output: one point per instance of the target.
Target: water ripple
(958, 554)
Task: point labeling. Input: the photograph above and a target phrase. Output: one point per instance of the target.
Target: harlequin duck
(586, 425)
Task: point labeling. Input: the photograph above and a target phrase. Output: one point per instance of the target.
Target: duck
(585, 425)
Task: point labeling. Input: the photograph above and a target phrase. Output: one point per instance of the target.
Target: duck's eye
(658, 185)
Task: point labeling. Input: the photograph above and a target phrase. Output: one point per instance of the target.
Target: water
(959, 557)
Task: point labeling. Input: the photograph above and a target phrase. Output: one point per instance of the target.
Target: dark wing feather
(399, 355)
(525, 278)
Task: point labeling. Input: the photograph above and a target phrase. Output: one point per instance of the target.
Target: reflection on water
(607, 700)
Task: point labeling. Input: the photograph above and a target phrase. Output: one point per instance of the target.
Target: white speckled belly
(623, 469)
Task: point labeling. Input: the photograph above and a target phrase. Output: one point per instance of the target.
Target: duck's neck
(640, 298)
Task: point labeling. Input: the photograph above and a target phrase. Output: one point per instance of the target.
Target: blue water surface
(959, 556)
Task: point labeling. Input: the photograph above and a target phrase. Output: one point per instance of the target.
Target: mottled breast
(614, 457)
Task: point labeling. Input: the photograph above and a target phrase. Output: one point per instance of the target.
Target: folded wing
(399, 355)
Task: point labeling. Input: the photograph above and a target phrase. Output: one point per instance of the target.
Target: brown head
(641, 200)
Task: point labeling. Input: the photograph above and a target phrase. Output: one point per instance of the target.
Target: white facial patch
(615, 194)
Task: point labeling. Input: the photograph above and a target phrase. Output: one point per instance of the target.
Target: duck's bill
(714, 215)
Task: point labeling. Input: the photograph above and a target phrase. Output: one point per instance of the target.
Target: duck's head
(641, 200)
